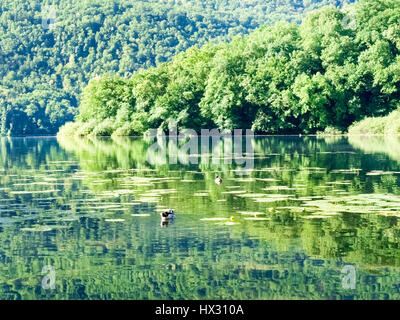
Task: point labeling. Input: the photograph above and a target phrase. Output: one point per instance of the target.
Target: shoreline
(244, 135)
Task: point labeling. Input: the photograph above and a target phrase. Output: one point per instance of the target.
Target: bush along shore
(336, 68)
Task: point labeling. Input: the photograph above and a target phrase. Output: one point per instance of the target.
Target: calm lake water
(79, 219)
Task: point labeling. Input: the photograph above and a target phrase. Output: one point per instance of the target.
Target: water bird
(218, 180)
(167, 215)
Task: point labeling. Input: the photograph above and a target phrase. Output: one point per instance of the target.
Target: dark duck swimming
(167, 215)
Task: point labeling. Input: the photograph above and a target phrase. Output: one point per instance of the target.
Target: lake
(315, 218)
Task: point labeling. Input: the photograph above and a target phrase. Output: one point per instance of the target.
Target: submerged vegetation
(90, 208)
(285, 78)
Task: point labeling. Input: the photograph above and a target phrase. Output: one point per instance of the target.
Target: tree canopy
(44, 66)
(336, 67)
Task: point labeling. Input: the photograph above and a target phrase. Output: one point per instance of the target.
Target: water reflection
(90, 208)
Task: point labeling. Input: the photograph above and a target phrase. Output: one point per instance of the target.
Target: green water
(90, 210)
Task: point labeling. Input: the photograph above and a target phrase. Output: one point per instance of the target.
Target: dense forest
(336, 67)
(45, 63)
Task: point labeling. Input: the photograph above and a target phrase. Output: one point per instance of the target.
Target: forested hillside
(285, 78)
(43, 70)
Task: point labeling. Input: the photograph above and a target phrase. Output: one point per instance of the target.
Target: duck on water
(167, 215)
(218, 180)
